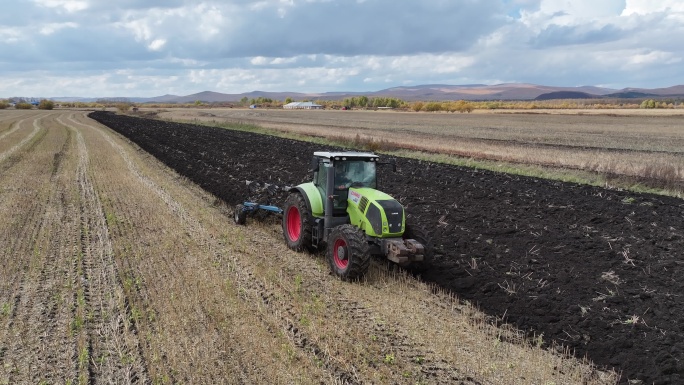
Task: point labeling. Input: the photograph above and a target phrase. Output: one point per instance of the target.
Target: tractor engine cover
(375, 212)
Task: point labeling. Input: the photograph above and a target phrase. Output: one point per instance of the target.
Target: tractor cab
(336, 172)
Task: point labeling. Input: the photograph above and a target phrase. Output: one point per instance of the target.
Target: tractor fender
(311, 196)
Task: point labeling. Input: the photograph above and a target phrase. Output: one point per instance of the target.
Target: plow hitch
(248, 208)
(403, 251)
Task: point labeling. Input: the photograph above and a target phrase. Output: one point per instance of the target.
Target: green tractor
(342, 210)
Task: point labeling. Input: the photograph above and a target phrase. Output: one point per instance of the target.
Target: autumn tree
(46, 104)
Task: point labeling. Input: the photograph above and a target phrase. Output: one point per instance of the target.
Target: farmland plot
(645, 146)
(592, 269)
(115, 269)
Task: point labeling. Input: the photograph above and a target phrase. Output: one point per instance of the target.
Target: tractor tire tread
(304, 242)
(358, 249)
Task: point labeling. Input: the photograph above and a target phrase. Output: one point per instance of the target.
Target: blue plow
(247, 208)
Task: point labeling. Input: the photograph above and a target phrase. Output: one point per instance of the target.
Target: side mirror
(392, 162)
(313, 166)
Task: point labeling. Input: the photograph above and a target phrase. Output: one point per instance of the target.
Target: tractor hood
(375, 212)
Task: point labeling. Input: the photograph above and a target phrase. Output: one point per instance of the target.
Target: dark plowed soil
(599, 271)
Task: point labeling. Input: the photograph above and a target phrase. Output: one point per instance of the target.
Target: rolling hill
(505, 91)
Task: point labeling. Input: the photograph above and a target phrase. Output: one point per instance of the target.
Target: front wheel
(297, 222)
(348, 252)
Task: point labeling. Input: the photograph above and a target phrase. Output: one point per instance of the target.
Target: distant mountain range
(428, 92)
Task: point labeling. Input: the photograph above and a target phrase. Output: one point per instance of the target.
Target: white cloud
(332, 45)
(264, 61)
(653, 57)
(441, 64)
(283, 60)
(156, 44)
(211, 21)
(259, 61)
(644, 7)
(68, 5)
(10, 35)
(140, 28)
(49, 29)
(572, 12)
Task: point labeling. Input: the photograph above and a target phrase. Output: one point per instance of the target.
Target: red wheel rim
(294, 224)
(340, 253)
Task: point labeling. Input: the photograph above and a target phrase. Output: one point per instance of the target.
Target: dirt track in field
(593, 269)
(117, 270)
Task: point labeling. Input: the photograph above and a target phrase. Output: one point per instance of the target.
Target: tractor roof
(346, 154)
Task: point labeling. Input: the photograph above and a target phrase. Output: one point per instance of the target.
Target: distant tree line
(364, 102)
(650, 103)
(22, 104)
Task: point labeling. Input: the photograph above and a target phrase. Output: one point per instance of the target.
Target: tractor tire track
(112, 344)
(247, 280)
(128, 269)
(195, 228)
(255, 290)
(12, 128)
(11, 150)
(38, 346)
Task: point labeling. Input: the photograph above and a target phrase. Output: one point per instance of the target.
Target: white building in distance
(302, 105)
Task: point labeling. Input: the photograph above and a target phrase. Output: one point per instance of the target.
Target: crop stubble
(326, 322)
(35, 311)
(60, 281)
(276, 319)
(116, 269)
(593, 269)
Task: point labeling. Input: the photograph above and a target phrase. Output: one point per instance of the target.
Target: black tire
(240, 215)
(414, 231)
(297, 223)
(348, 252)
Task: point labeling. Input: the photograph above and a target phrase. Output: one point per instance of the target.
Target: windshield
(354, 173)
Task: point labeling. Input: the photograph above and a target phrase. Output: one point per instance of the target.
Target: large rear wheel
(297, 222)
(348, 252)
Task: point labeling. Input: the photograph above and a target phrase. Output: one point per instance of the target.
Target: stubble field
(116, 269)
(595, 270)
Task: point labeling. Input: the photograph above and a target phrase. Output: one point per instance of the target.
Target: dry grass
(38, 296)
(620, 146)
(146, 280)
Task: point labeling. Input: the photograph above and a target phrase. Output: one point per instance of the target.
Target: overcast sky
(147, 48)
